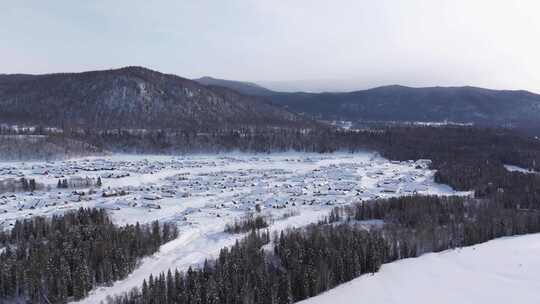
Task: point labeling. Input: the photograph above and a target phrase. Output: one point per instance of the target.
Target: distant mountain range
(482, 107)
(133, 98)
(139, 98)
(248, 88)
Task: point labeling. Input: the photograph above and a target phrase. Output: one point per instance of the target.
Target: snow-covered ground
(187, 189)
(512, 168)
(202, 193)
(501, 271)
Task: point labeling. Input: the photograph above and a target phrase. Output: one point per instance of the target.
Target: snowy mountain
(132, 97)
(479, 106)
(405, 104)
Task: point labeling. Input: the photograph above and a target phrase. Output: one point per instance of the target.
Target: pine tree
(24, 183)
(81, 277)
(212, 292)
(170, 287)
(145, 292)
(284, 292)
(156, 234)
(32, 185)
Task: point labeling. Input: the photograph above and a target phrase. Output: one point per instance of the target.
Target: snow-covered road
(191, 248)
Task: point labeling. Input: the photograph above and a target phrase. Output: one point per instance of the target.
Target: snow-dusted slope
(505, 271)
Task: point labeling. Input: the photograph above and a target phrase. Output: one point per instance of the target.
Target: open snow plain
(202, 193)
(501, 271)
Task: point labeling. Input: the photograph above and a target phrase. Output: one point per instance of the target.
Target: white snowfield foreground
(504, 270)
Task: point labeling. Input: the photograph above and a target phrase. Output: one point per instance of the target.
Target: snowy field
(202, 193)
(501, 271)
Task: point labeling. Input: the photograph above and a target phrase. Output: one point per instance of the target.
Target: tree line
(64, 183)
(420, 224)
(300, 265)
(53, 260)
(19, 184)
(247, 224)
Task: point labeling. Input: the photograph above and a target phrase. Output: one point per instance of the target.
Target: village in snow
(201, 194)
(189, 189)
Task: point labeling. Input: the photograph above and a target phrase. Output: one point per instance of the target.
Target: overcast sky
(293, 44)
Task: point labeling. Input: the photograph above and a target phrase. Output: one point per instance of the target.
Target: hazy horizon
(306, 85)
(293, 46)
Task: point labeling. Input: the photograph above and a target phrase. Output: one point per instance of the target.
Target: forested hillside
(132, 98)
(135, 98)
(53, 260)
(479, 106)
(22, 147)
(400, 104)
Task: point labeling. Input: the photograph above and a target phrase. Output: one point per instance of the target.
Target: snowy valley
(202, 193)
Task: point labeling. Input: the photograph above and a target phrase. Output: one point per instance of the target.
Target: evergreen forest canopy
(64, 257)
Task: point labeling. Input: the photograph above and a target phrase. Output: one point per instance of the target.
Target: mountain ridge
(249, 88)
(133, 97)
(398, 103)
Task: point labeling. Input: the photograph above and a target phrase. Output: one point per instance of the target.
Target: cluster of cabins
(239, 189)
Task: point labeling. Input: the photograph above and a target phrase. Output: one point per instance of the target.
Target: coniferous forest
(52, 260)
(305, 262)
(247, 224)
